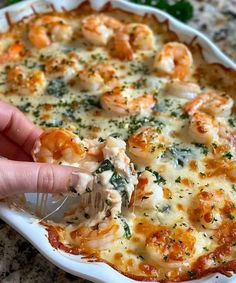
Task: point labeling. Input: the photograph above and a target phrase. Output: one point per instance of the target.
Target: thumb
(21, 177)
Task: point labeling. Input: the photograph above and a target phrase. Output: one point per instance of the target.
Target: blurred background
(21, 262)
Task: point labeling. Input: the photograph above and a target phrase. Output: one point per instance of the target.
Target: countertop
(19, 260)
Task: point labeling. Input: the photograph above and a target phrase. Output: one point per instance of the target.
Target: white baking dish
(23, 222)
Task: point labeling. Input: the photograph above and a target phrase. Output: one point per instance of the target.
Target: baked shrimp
(204, 111)
(119, 102)
(98, 29)
(210, 103)
(102, 235)
(57, 146)
(13, 52)
(26, 82)
(172, 247)
(146, 144)
(101, 197)
(147, 194)
(131, 38)
(49, 29)
(203, 128)
(210, 207)
(182, 89)
(96, 77)
(62, 65)
(174, 60)
(60, 146)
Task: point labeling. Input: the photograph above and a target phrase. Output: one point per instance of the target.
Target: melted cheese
(170, 231)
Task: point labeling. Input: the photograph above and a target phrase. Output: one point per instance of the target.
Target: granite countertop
(19, 260)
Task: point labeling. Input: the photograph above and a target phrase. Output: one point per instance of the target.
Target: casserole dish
(211, 54)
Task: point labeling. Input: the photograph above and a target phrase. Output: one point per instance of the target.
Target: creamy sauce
(162, 236)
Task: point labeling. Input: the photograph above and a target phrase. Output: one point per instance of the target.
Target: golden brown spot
(45, 117)
(180, 206)
(47, 107)
(93, 133)
(220, 149)
(135, 239)
(130, 262)
(167, 193)
(186, 182)
(193, 165)
(118, 256)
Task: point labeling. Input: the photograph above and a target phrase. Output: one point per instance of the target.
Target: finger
(17, 127)
(20, 177)
(11, 151)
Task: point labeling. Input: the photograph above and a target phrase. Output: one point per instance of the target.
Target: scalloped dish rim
(28, 226)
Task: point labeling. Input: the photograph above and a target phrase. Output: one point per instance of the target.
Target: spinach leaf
(89, 103)
(159, 178)
(179, 154)
(57, 87)
(104, 166)
(120, 184)
(203, 148)
(181, 9)
(127, 231)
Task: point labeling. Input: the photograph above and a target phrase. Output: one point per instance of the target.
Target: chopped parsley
(127, 231)
(137, 122)
(228, 155)
(72, 189)
(230, 216)
(234, 187)
(178, 180)
(159, 178)
(57, 87)
(164, 209)
(192, 273)
(139, 84)
(179, 154)
(232, 121)
(203, 148)
(25, 107)
(90, 102)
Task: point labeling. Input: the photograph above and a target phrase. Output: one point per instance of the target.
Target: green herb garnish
(120, 184)
(127, 231)
(228, 155)
(203, 148)
(192, 273)
(181, 9)
(57, 87)
(104, 166)
(159, 178)
(178, 180)
(10, 2)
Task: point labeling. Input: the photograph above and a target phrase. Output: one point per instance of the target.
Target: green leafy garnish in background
(181, 9)
(10, 2)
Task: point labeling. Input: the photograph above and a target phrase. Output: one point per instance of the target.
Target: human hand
(18, 174)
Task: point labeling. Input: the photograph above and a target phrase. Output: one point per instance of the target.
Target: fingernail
(80, 182)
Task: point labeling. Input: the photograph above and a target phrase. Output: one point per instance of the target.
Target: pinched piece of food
(105, 171)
